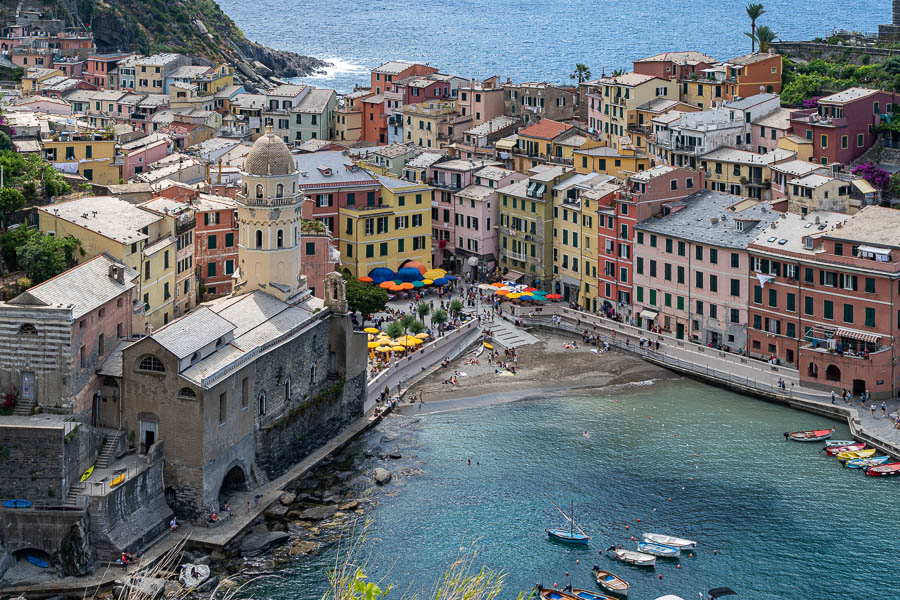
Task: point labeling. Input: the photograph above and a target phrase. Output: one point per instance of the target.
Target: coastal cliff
(195, 27)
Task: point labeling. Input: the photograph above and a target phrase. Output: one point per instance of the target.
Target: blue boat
(571, 535)
(37, 561)
(17, 503)
(660, 550)
(588, 595)
(865, 463)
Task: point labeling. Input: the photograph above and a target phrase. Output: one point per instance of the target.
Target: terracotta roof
(545, 128)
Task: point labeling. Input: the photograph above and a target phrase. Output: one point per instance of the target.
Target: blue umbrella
(381, 274)
(537, 299)
(409, 274)
(450, 277)
(440, 281)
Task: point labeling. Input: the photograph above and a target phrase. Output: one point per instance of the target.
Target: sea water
(527, 40)
(773, 518)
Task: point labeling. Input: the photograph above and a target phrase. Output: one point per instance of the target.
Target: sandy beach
(542, 367)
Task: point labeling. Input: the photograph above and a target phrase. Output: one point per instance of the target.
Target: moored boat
(587, 595)
(845, 456)
(835, 450)
(551, 594)
(660, 550)
(865, 463)
(885, 470)
(611, 583)
(635, 558)
(571, 535)
(814, 435)
(669, 540)
(830, 443)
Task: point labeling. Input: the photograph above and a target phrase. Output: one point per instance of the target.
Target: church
(244, 386)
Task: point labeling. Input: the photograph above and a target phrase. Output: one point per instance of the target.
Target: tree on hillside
(754, 11)
(582, 73)
(11, 200)
(45, 256)
(765, 35)
(366, 299)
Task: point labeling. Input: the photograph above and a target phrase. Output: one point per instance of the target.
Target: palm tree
(618, 72)
(582, 73)
(406, 321)
(394, 329)
(417, 328)
(765, 35)
(754, 11)
(456, 307)
(439, 317)
(423, 309)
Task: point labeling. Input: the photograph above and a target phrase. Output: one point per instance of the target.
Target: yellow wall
(585, 252)
(623, 111)
(348, 126)
(33, 85)
(415, 240)
(701, 93)
(803, 149)
(153, 287)
(97, 168)
(418, 133)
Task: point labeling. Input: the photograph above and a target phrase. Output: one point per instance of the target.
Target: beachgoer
(873, 410)
(883, 408)
(833, 396)
(173, 524)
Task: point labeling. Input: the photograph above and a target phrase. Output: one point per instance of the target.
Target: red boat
(835, 450)
(816, 435)
(884, 470)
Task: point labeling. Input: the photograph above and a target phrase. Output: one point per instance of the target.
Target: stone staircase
(74, 492)
(108, 451)
(23, 408)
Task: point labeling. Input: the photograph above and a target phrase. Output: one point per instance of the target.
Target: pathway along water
(786, 521)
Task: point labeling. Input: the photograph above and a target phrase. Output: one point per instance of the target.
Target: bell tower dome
(268, 211)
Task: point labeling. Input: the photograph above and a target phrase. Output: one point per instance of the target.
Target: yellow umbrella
(371, 330)
(414, 341)
(514, 296)
(383, 349)
(371, 337)
(434, 274)
(422, 336)
(400, 342)
(374, 344)
(398, 349)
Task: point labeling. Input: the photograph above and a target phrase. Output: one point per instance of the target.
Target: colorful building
(691, 268)
(314, 117)
(390, 233)
(89, 155)
(349, 116)
(181, 219)
(215, 243)
(677, 66)
(619, 98)
(482, 100)
(533, 101)
(740, 172)
(608, 160)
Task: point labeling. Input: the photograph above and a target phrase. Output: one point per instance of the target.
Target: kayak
(87, 474)
(865, 463)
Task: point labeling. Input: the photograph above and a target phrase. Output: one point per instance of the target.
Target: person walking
(883, 408)
(873, 410)
(833, 396)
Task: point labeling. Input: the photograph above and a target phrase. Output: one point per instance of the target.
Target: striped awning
(854, 334)
(649, 314)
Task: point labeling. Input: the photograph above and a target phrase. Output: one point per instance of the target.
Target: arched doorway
(235, 480)
(813, 370)
(832, 373)
(33, 558)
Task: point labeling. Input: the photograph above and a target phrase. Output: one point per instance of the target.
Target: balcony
(369, 208)
(285, 201)
(686, 148)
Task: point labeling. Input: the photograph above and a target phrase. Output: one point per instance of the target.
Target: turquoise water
(527, 40)
(786, 521)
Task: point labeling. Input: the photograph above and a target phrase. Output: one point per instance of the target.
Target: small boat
(660, 550)
(38, 562)
(192, 576)
(814, 435)
(635, 558)
(830, 443)
(571, 535)
(885, 470)
(588, 595)
(611, 583)
(719, 592)
(845, 456)
(87, 474)
(865, 463)
(551, 594)
(668, 540)
(835, 450)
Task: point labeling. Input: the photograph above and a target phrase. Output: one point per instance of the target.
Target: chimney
(117, 273)
(817, 220)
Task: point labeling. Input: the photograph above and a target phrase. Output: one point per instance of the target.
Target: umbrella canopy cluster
(517, 291)
(412, 275)
(382, 342)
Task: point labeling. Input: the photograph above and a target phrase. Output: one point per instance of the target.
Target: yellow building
(140, 239)
(575, 222)
(740, 172)
(33, 78)
(348, 118)
(594, 157)
(802, 146)
(150, 72)
(89, 154)
(701, 93)
(546, 142)
(622, 96)
(390, 234)
(428, 124)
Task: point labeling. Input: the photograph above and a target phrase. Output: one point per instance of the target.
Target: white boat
(192, 576)
(635, 558)
(658, 549)
(668, 540)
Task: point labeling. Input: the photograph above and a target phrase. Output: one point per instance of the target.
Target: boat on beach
(865, 463)
(635, 558)
(660, 550)
(835, 450)
(571, 535)
(813, 435)
(885, 470)
(668, 540)
(845, 456)
(611, 583)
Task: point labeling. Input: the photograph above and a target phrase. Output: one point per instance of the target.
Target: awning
(473, 261)
(513, 276)
(505, 144)
(874, 250)
(864, 186)
(854, 334)
(650, 315)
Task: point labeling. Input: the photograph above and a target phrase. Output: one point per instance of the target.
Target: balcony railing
(271, 201)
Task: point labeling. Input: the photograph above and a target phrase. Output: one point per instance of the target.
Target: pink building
(319, 259)
(477, 218)
(448, 178)
(482, 100)
(691, 268)
(142, 152)
(766, 131)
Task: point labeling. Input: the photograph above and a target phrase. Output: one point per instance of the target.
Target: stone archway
(234, 481)
(832, 373)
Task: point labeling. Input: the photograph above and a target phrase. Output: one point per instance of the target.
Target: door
(148, 435)
(679, 331)
(27, 385)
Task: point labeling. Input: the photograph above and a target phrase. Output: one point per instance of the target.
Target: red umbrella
(554, 297)
(366, 279)
(530, 289)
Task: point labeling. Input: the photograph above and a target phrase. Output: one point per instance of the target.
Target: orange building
(374, 111)
(750, 74)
